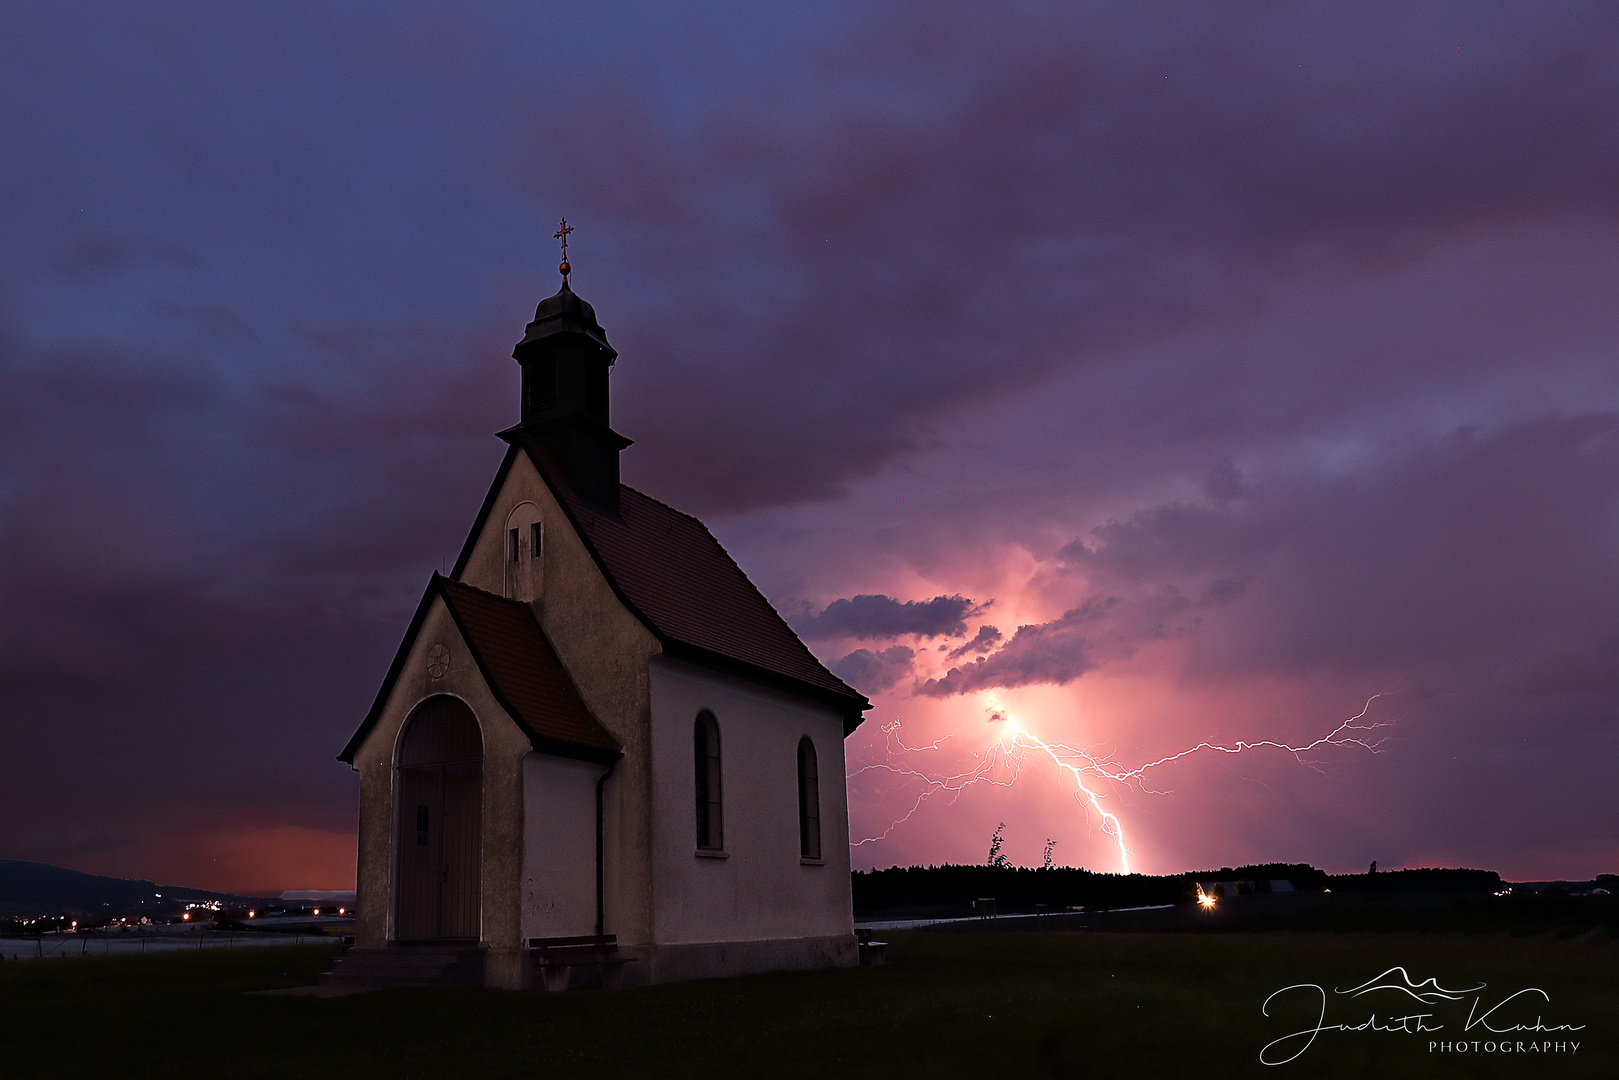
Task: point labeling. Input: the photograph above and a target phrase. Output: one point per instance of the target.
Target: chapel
(597, 728)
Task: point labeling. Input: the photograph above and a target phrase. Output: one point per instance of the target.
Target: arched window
(705, 741)
(809, 802)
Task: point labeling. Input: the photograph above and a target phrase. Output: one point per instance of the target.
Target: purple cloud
(876, 616)
(872, 672)
(1061, 270)
(986, 638)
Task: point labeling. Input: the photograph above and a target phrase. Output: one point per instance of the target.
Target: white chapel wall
(559, 846)
(762, 889)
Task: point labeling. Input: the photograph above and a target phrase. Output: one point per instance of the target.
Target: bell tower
(566, 359)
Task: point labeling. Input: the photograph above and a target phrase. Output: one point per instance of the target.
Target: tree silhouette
(995, 856)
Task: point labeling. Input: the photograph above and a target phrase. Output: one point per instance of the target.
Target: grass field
(947, 1005)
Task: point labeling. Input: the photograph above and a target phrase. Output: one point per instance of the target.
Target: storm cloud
(1227, 347)
(871, 672)
(874, 616)
(1057, 652)
(987, 638)
(1103, 176)
(1379, 570)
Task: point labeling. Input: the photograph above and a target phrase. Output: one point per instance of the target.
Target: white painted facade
(757, 888)
(756, 905)
(559, 847)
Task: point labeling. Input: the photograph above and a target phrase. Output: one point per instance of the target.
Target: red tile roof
(524, 671)
(520, 667)
(670, 571)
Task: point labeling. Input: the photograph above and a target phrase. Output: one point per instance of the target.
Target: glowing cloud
(1002, 761)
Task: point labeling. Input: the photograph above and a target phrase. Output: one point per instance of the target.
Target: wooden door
(439, 842)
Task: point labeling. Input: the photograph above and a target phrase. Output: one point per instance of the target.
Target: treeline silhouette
(1055, 888)
(1427, 880)
(1015, 889)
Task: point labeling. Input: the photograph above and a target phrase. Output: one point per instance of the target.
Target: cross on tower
(562, 234)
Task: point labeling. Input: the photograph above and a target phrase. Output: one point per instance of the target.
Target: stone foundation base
(506, 969)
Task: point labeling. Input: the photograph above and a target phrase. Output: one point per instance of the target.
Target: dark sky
(1150, 373)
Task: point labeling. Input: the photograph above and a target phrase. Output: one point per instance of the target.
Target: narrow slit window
(513, 542)
(421, 826)
(706, 765)
(536, 540)
(809, 801)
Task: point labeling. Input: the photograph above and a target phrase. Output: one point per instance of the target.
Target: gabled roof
(670, 571)
(519, 666)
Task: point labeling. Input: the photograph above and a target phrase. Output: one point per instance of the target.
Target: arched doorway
(440, 798)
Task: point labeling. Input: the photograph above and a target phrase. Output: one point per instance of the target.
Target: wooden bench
(566, 962)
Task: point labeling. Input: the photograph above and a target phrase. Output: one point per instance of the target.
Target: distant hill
(31, 889)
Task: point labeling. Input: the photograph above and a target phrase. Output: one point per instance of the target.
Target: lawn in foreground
(947, 1005)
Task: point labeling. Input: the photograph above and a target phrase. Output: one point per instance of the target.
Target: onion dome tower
(566, 359)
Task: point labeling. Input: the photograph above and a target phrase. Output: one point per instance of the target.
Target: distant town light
(342, 911)
(186, 916)
(250, 914)
(317, 911)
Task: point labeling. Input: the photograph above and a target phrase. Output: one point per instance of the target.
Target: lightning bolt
(1002, 761)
